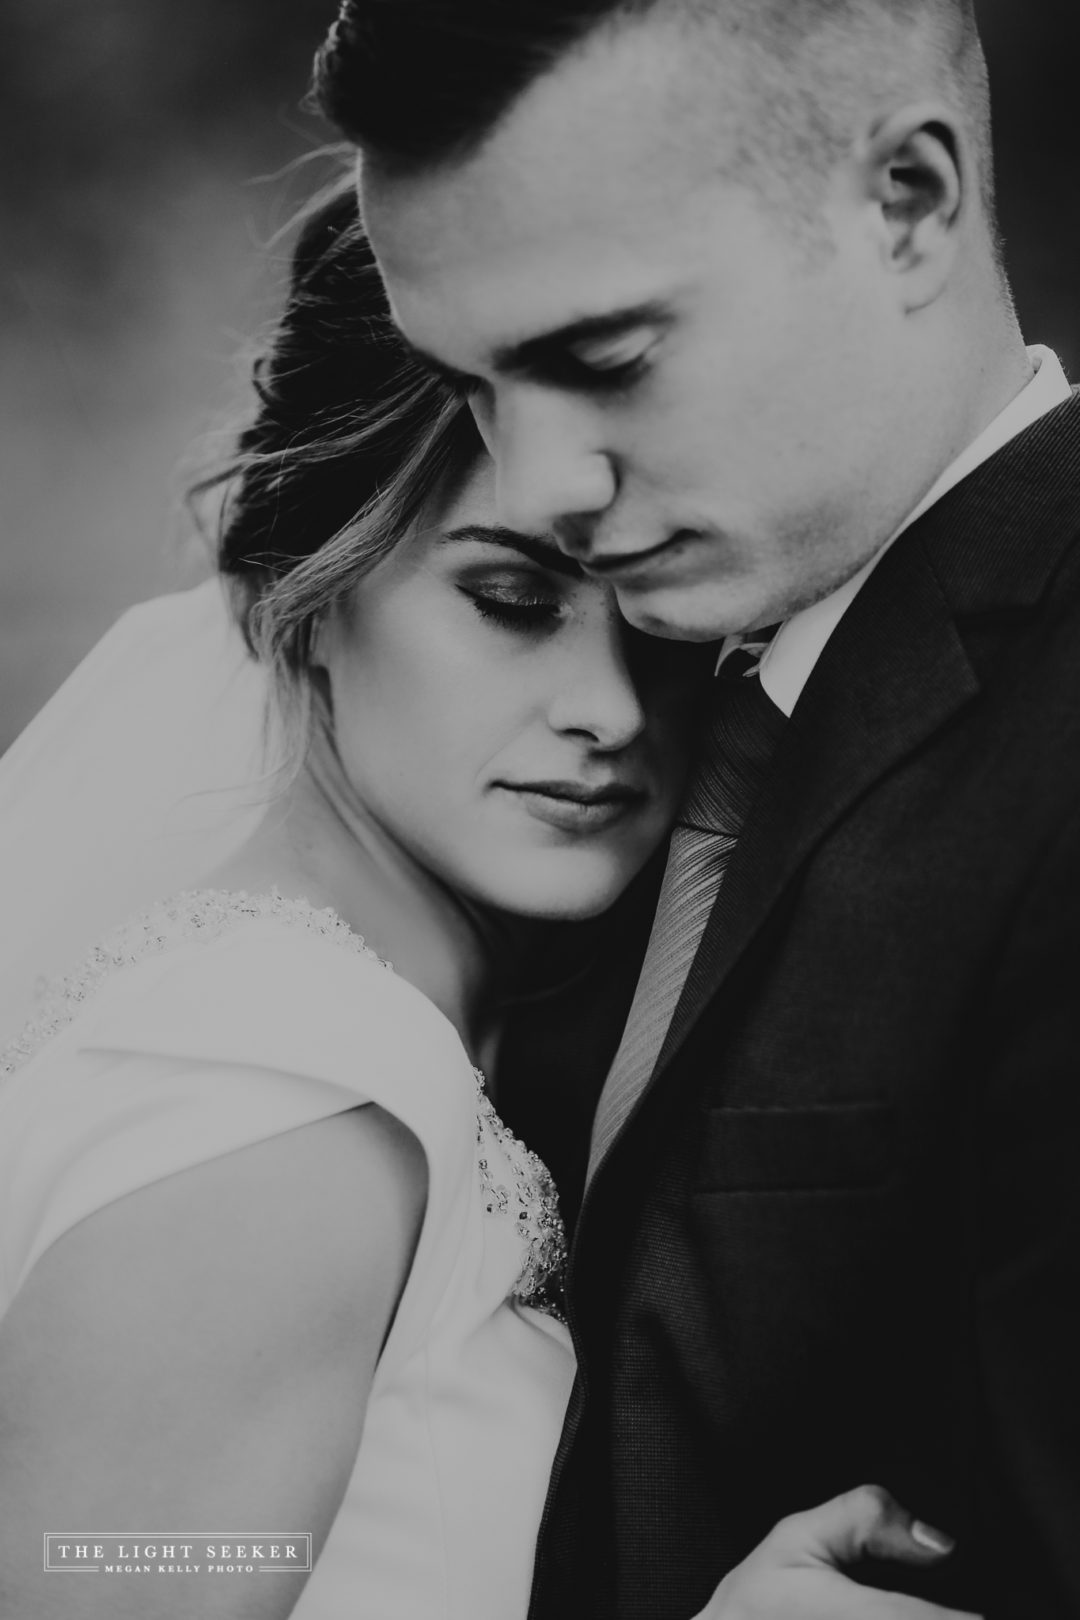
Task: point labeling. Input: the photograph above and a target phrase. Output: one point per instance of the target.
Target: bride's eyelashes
(515, 605)
(517, 598)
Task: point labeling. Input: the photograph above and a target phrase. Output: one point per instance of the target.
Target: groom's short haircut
(420, 83)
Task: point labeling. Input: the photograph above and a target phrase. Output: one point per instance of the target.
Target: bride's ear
(319, 655)
(316, 654)
(328, 626)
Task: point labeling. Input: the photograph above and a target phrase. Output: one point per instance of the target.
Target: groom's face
(696, 394)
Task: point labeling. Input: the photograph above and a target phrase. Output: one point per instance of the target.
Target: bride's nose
(596, 695)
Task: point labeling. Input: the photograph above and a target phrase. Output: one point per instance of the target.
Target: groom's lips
(574, 806)
(623, 564)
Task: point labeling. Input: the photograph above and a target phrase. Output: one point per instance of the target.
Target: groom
(721, 280)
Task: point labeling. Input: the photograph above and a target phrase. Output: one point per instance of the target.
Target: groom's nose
(550, 475)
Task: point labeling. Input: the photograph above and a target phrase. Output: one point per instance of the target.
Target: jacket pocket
(797, 1149)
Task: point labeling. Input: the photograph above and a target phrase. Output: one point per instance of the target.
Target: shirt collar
(798, 644)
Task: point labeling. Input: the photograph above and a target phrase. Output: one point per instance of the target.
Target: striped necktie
(743, 729)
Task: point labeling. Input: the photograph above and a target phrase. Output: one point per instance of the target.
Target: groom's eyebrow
(543, 552)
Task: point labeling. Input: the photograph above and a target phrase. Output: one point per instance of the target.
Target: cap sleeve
(214, 1046)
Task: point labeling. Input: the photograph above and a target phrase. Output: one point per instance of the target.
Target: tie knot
(742, 728)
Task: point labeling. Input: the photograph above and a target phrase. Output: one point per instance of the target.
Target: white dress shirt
(798, 644)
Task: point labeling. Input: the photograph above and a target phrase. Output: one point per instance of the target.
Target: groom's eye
(608, 363)
(612, 354)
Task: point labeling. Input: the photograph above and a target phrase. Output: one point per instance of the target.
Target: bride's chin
(562, 891)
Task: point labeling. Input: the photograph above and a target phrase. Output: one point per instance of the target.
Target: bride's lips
(574, 806)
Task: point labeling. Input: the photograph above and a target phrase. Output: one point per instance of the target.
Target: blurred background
(149, 152)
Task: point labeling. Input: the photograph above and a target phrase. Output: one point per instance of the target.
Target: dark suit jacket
(839, 1241)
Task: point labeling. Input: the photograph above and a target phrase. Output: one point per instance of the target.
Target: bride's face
(496, 716)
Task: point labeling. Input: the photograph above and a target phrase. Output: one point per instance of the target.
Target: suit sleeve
(1028, 1287)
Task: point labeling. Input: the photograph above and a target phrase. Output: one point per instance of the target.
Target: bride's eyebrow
(543, 552)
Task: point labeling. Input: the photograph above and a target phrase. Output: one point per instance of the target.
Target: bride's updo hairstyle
(350, 442)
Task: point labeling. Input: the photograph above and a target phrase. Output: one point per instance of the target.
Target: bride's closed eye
(517, 602)
(517, 582)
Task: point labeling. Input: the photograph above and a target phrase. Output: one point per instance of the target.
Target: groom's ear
(919, 177)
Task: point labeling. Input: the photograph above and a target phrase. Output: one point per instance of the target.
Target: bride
(270, 1260)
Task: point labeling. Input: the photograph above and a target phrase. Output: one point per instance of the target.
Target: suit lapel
(893, 673)
(862, 712)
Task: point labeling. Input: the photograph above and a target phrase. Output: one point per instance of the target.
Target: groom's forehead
(625, 114)
(574, 207)
(645, 109)
(502, 297)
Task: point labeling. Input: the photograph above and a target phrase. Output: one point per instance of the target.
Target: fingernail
(933, 1540)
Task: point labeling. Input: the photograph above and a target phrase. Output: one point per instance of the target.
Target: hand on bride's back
(797, 1572)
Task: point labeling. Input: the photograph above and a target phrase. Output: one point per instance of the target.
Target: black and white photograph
(539, 810)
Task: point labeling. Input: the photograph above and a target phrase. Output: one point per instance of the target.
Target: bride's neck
(321, 844)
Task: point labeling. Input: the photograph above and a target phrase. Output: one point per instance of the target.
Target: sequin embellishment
(532, 1203)
(204, 914)
(196, 914)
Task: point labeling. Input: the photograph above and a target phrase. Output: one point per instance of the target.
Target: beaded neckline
(195, 914)
(530, 1200)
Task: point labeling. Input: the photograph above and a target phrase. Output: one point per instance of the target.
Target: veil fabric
(149, 766)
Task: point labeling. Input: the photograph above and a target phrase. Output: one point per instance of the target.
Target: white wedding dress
(215, 1020)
